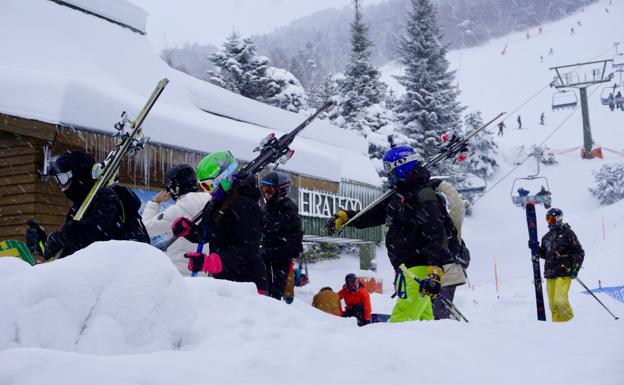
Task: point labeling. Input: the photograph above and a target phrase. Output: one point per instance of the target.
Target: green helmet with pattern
(217, 169)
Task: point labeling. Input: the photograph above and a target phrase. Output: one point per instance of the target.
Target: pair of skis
(272, 150)
(450, 150)
(131, 141)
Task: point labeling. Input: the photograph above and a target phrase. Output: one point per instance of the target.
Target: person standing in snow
(328, 301)
(102, 221)
(281, 231)
(416, 236)
(542, 119)
(564, 256)
(181, 186)
(519, 120)
(357, 300)
(501, 126)
(231, 224)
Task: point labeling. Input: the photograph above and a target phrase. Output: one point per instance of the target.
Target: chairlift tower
(581, 76)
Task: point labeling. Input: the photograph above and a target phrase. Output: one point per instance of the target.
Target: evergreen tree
(482, 161)
(609, 183)
(429, 107)
(361, 86)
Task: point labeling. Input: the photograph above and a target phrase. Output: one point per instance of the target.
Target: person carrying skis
(357, 300)
(564, 256)
(328, 301)
(281, 231)
(103, 219)
(181, 186)
(231, 224)
(501, 126)
(416, 236)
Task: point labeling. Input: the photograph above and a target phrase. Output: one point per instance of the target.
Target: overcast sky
(175, 22)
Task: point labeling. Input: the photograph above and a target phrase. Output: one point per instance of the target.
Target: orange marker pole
(496, 280)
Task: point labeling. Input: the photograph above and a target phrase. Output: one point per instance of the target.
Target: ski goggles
(208, 185)
(63, 178)
(551, 219)
(267, 189)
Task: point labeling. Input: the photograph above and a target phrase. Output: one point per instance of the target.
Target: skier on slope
(232, 224)
(416, 236)
(357, 300)
(281, 231)
(181, 186)
(564, 256)
(501, 127)
(103, 219)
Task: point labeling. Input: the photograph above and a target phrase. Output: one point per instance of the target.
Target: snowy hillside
(239, 337)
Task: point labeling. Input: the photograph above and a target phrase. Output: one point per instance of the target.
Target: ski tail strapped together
(131, 141)
(272, 150)
(453, 146)
(537, 276)
(445, 301)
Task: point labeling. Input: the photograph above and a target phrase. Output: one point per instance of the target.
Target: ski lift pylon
(564, 99)
(618, 62)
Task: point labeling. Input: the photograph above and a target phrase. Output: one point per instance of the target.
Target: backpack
(133, 227)
(458, 251)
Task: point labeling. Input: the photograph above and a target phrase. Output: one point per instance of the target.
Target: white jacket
(160, 223)
(454, 273)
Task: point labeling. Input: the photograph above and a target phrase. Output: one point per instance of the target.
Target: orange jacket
(328, 301)
(360, 297)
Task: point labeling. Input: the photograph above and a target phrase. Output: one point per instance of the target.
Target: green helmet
(217, 169)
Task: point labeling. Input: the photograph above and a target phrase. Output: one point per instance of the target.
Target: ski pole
(594, 295)
(445, 301)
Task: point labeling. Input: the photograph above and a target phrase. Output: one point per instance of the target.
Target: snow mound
(110, 298)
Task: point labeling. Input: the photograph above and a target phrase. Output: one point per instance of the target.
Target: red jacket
(360, 297)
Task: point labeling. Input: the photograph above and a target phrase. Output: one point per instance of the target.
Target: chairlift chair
(564, 99)
(523, 196)
(612, 95)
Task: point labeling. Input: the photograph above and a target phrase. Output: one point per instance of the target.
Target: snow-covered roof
(68, 67)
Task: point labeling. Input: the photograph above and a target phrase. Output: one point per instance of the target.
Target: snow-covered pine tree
(482, 161)
(429, 107)
(609, 183)
(361, 86)
(242, 70)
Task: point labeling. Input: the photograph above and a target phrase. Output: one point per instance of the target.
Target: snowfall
(119, 313)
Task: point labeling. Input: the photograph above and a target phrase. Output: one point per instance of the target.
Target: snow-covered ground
(238, 337)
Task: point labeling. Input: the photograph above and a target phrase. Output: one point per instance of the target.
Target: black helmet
(351, 282)
(180, 179)
(73, 173)
(554, 217)
(276, 184)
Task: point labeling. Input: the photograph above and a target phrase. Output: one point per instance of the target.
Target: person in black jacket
(416, 235)
(281, 231)
(231, 224)
(102, 220)
(564, 256)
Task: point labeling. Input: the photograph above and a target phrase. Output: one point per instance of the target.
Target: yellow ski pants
(557, 289)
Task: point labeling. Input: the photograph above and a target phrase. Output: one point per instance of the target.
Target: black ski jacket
(281, 231)
(235, 231)
(416, 234)
(101, 222)
(560, 248)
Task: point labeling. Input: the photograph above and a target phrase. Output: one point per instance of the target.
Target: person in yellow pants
(562, 251)
(416, 235)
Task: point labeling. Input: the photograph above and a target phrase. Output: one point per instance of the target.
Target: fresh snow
(239, 337)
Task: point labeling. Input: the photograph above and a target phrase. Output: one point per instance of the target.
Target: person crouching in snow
(231, 225)
(357, 300)
(564, 256)
(181, 186)
(328, 301)
(416, 235)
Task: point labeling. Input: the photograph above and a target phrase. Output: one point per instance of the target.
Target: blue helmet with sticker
(399, 163)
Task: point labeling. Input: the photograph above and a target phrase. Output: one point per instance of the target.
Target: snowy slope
(242, 338)
(72, 68)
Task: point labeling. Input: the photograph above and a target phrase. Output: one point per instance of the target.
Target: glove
(432, 284)
(574, 268)
(182, 227)
(335, 223)
(54, 244)
(200, 262)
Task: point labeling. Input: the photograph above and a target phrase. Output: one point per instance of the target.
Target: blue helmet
(399, 163)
